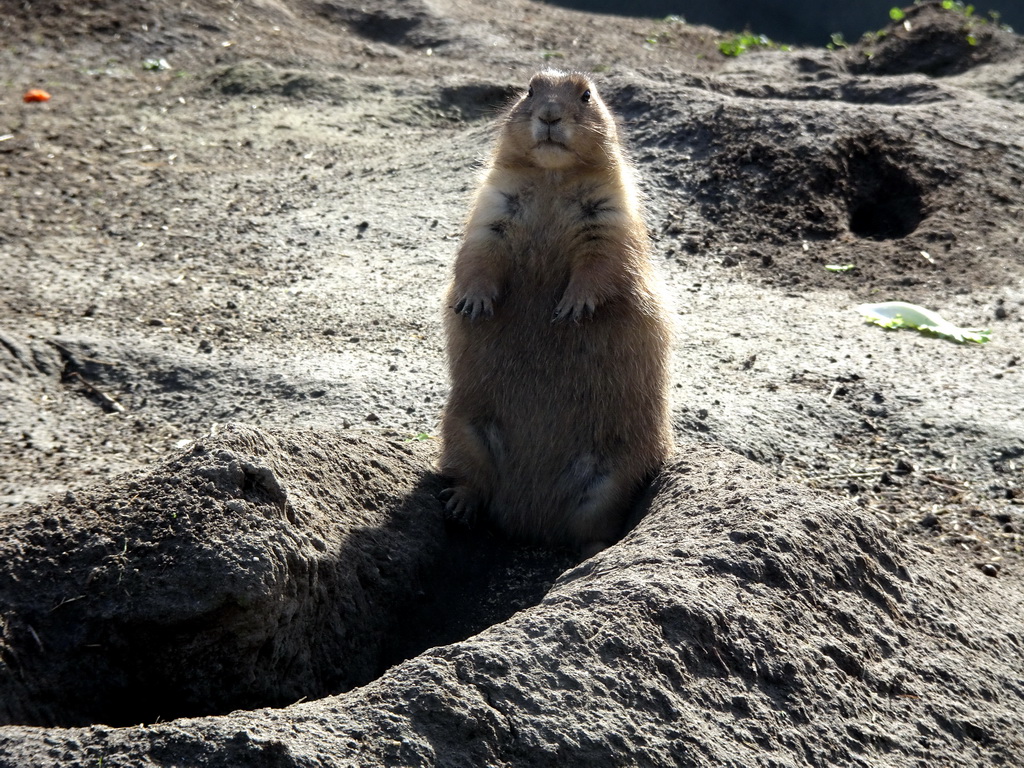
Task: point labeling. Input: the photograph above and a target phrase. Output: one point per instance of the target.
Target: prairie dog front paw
(575, 306)
(474, 305)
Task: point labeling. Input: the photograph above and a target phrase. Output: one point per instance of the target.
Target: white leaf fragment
(900, 314)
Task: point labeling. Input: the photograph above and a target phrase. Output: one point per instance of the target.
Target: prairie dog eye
(529, 93)
(586, 96)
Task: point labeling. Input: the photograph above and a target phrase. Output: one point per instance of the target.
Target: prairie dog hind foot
(460, 504)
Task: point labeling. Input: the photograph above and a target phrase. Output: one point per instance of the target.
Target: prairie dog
(557, 336)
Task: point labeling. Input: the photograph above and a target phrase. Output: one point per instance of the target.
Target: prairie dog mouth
(545, 134)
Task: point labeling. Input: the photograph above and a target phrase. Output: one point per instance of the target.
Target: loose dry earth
(261, 232)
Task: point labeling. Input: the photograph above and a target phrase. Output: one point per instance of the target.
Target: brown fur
(557, 336)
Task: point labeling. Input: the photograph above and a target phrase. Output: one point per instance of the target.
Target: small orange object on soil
(35, 94)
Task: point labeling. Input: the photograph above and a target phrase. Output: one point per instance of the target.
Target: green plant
(837, 41)
(967, 11)
(958, 7)
(737, 44)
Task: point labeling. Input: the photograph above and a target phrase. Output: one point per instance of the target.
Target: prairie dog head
(560, 123)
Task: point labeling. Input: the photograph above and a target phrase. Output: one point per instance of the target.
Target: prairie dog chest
(548, 216)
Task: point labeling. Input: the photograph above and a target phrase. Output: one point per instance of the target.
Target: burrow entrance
(759, 183)
(884, 201)
(479, 580)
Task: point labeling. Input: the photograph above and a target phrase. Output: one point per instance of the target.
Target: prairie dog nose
(550, 114)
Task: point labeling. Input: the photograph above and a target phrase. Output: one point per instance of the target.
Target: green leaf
(837, 41)
(896, 14)
(840, 267)
(900, 314)
(738, 44)
(730, 48)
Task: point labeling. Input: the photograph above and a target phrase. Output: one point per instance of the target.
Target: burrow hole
(884, 201)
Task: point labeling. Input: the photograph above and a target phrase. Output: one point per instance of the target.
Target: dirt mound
(791, 188)
(740, 623)
(253, 570)
(250, 571)
(255, 77)
(416, 24)
(934, 41)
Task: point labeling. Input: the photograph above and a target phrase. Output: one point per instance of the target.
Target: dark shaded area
(413, 23)
(804, 22)
(883, 199)
(891, 215)
(479, 579)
